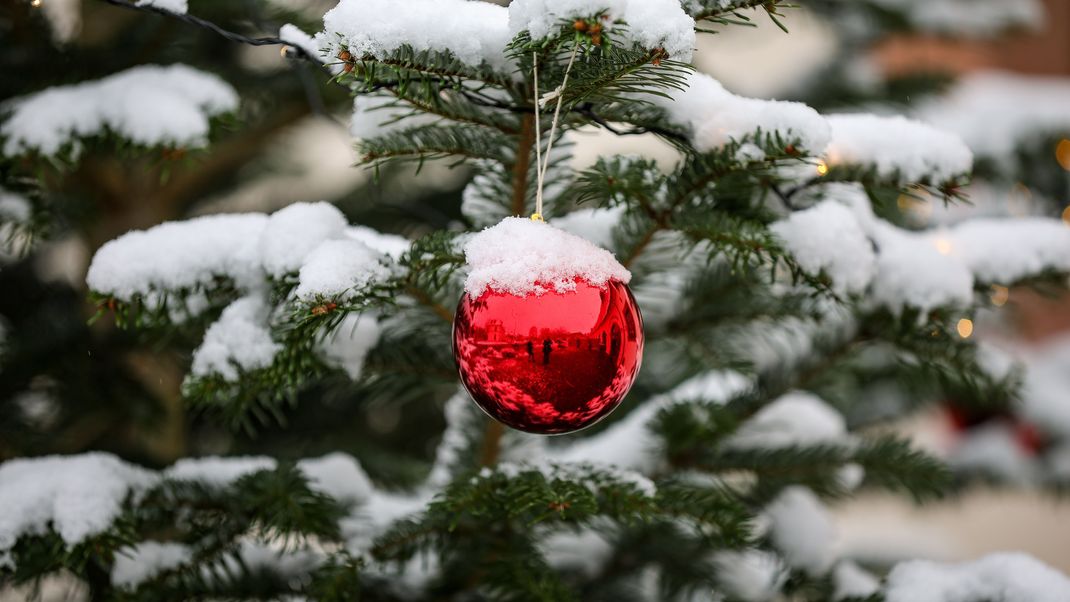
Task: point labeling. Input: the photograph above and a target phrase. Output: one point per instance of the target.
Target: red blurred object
(552, 363)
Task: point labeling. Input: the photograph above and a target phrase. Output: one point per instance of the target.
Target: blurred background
(995, 72)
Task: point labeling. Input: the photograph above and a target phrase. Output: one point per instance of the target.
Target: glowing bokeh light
(1062, 153)
(1000, 295)
(965, 328)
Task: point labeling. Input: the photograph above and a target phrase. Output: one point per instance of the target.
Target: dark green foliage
(482, 535)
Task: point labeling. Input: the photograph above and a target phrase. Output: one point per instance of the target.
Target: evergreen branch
(407, 64)
(727, 13)
(421, 143)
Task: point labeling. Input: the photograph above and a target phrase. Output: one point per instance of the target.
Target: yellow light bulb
(36, 3)
(1000, 295)
(1062, 153)
(822, 167)
(965, 328)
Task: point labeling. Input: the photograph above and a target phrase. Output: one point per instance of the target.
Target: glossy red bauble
(551, 363)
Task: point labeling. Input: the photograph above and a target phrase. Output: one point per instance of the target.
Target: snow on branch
(179, 255)
(967, 17)
(801, 528)
(898, 268)
(715, 116)
(340, 269)
(474, 32)
(827, 237)
(650, 24)
(149, 105)
(306, 249)
(77, 496)
(239, 341)
(1006, 577)
(179, 7)
(1004, 251)
(631, 443)
(794, 419)
(303, 239)
(994, 113)
(897, 147)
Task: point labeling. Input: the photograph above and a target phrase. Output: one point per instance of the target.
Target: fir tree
(777, 277)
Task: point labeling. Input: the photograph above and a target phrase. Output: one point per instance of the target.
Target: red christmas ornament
(549, 363)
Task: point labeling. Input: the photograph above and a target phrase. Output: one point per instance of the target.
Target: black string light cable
(290, 50)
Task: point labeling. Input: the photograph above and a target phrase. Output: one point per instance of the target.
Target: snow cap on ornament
(522, 256)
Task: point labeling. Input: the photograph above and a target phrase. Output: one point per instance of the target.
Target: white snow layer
(969, 17)
(828, 237)
(521, 256)
(149, 105)
(852, 581)
(348, 346)
(796, 418)
(897, 146)
(293, 232)
(177, 255)
(391, 245)
(1005, 577)
(1003, 251)
(940, 267)
(77, 496)
(474, 32)
(1046, 381)
(913, 269)
(174, 6)
(994, 112)
(649, 24)
(750, 575)
(340, 268)
(994, 449)
(801, 529)
(239, 341)
(139, 563)
(217, 471)
(14, 207)
(311, 239)
(629, 443)
(339, 476)
(715, 116)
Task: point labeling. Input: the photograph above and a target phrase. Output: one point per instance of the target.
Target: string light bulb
(36, 3)
(965, 328)
(822, 167)
(1062, 153)
(1000, 295)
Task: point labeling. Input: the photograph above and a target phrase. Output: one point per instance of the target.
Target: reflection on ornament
(551, 363)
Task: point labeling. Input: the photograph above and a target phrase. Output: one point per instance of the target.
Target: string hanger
(559, 94)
